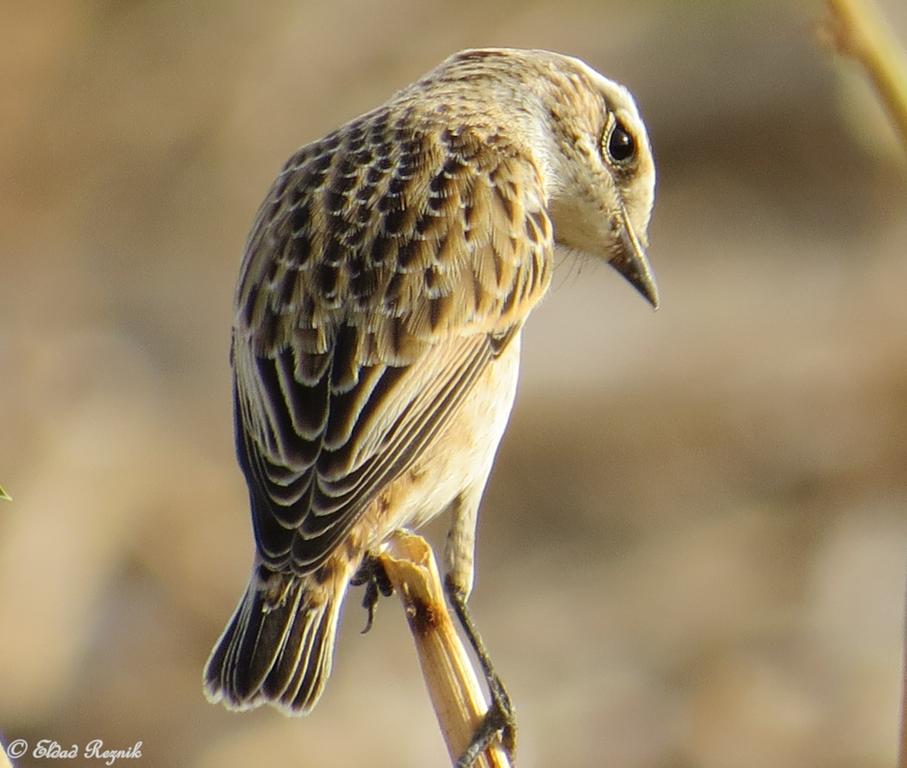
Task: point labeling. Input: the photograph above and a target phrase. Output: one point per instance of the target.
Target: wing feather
(389, 265)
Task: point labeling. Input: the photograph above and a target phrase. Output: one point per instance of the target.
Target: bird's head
(599, 169)
(586, 137)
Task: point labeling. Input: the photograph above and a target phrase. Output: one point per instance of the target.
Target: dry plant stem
(856, 29)
(451, 681)
(902, 752)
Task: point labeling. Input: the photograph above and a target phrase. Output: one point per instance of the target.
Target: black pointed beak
(631, 261)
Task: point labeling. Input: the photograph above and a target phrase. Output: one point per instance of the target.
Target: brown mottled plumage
(376, 341)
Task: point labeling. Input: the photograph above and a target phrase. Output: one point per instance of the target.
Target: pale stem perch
(449, 676)
(902, 751)
(857, 29)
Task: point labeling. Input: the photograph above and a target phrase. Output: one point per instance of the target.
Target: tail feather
(279, 654)
(302, 674)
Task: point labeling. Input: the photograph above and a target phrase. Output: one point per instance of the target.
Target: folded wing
(385, 271)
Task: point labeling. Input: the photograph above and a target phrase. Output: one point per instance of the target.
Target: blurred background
(692, 551)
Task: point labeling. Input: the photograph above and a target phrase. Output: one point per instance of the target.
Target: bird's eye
(620, 144)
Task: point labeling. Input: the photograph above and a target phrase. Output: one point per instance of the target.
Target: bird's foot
(371, 573)
(499, 720)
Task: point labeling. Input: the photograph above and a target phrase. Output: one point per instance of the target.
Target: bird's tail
(278, 646)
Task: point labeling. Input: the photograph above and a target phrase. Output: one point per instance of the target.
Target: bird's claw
(372, 574)
(498, 721)
(500, 718)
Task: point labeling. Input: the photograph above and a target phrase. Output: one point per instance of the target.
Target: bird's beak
(631, 261)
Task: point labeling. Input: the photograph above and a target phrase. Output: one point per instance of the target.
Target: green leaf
(4, 495)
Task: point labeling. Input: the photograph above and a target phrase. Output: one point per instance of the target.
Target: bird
(375, 347)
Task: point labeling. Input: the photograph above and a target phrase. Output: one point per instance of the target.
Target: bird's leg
(500, 716)
(371, 573)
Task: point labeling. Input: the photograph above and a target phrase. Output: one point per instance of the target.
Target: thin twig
(902, 751)
(450, 678)
(856, 29)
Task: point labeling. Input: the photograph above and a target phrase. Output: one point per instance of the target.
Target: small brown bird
(376, 340)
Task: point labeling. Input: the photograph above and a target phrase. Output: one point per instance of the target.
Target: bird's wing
(385, 270)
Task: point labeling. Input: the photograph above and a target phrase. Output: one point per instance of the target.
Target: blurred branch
(856, 29)
(902, 751)
(451, 681)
